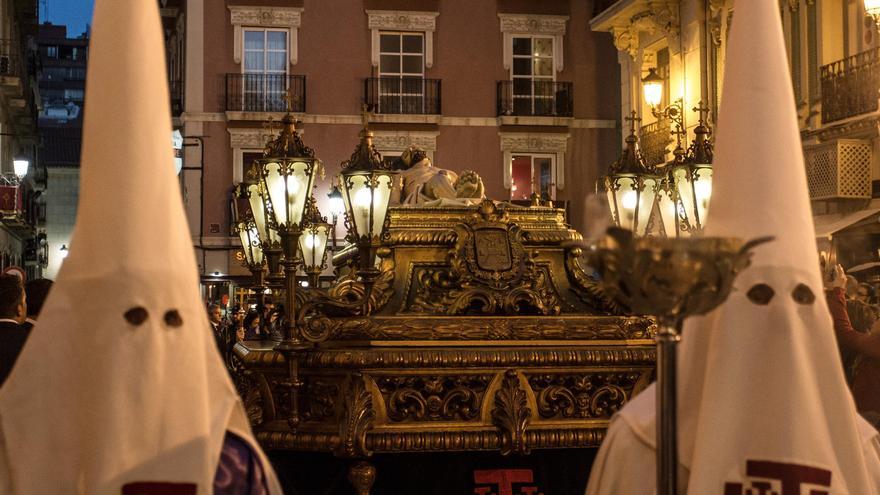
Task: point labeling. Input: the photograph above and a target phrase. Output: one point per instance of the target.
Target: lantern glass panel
(313, 244)
(367, 196)
(288, 185)
(872, 7)
(250, 244)
(695, 189)
(667, 206)
(633, 201)
(653, 93)
(646, 200)
(258, 208)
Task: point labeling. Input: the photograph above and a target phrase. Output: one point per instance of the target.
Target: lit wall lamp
(652, 86)
(872, 8)
(20, 166)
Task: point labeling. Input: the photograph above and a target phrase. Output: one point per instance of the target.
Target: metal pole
(292, 344)
(667, 403)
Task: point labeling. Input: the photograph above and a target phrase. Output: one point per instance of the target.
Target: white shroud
(762, 397)
(95, 401)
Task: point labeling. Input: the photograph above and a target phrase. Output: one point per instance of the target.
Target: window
(532, 173)
(265, 67)
(533, 74)
(52, 51)
(401, 72)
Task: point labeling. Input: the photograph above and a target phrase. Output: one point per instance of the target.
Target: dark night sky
(74, 13)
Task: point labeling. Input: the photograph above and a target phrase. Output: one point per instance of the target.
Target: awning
(864, 266)
(827, 225)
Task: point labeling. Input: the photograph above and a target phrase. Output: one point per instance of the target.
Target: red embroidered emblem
(502, 482)
(779, 478)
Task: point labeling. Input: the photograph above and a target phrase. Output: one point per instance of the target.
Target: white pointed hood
(761, 389)
(96, 399)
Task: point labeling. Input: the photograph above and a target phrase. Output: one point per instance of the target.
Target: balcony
(534, 98)
(654, 140)
(402, 96)
(14, 80)
(849, 86)
(265, 93)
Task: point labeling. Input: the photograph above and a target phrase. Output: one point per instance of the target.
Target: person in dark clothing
(252, 328)
(36, 291)
(13, 311)
(220, 328)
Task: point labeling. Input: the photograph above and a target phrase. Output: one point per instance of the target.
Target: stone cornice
(399, 140)
(533, 24)
(247, 138)
(402, 20)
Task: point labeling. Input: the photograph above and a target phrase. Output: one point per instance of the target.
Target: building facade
(524, 93)
(63, 61)
(21, 176)
(833, 57)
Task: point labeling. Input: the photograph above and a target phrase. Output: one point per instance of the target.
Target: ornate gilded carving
(495, 328)
(357, 418)
(512, 414)
(319, 397)
(587, 288)
(490, 272)
(433, 397)
(582, 395)
(362, 476)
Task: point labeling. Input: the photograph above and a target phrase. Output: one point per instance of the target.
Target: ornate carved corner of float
(588, 289)
(489, 272)
(512, 414)
(357, 417)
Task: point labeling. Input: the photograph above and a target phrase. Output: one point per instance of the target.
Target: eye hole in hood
(136, 315)
(803, 294)
(761, 294)
(173, 319)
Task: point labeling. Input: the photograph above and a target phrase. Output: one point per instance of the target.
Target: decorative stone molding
(716, 16)
(549, 25)
(521, 142)
(288, 18)
(659, 14)
(241, 140)
(402, 20)
(399, 140)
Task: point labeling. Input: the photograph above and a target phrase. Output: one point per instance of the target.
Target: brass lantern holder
(671, 279)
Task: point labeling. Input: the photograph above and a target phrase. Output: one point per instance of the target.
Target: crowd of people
(256, 322)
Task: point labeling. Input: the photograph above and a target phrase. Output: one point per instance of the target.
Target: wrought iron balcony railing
(654, 140)
(406, 95)
(850, 86)
(533, 97)
(265, 92)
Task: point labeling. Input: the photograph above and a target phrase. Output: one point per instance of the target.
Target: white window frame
(535, 143)
(553, 159)
(523, 25)
(264, 91)
(244, 140)
(533, 97)
(287, 18)
(401, 94)
(403, 20)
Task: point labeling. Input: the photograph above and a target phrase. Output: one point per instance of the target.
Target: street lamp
(313, 242)
(366, 189)
(631, 186)
(286, 174)
(337, 208)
